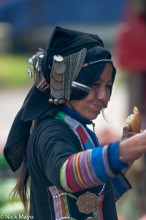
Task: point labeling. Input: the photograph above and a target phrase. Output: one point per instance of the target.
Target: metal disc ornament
(87, 203)
(58, 77)
(56, 84)
(59, 67)
(57, 93)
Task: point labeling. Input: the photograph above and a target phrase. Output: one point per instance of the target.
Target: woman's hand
(126, 132)
(132, 148)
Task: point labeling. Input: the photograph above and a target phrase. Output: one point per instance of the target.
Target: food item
(134, 120)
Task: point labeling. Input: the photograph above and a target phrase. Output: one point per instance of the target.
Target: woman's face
(98, 98)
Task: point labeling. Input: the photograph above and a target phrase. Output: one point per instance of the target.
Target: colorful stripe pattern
(80, 169)
(60, 203)
(41, 84)
(61, 207)
(99, 213)
(78, 129)
(79, 172)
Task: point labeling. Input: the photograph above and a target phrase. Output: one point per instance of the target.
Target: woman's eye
(109, 87)
(96, 85)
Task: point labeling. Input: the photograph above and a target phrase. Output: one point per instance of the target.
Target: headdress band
(97, 61)
(63, 72)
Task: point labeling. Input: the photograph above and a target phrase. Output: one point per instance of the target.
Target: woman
(71, 176)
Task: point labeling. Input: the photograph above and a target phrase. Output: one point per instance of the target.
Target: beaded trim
(61, 207)
(60, 203)
(97, 61)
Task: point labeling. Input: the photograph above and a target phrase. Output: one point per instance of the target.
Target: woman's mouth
(98, 107)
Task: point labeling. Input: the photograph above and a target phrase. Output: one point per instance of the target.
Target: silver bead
(41, 56)
(51, 100)
(61, 101)
(29, 72)
(30, 60)
(56, 101)
(58, 58)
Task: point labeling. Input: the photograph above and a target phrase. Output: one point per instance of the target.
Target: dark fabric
(64, 42)
(15, 147)
(67, 41)
(50, 144)
(16, 143)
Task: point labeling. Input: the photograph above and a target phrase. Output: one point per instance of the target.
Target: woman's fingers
(132, 148)
(126, 132)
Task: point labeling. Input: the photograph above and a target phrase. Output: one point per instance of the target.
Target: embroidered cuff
(115, 163)
(100, 163)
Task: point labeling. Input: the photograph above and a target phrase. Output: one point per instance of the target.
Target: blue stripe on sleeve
(120, 185)
(98, 164)
(113, 158)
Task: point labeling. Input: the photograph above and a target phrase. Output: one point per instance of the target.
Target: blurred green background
(13, 70)
(13, 74)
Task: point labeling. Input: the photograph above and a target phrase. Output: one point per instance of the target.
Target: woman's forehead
(106, 75)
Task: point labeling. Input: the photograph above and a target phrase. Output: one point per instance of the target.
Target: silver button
(58, 58)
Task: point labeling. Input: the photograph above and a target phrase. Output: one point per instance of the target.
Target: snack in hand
(134, 120)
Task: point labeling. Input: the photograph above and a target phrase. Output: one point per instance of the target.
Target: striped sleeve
(87, 169)
(120, 185)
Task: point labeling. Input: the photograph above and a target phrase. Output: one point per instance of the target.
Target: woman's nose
(102, 94)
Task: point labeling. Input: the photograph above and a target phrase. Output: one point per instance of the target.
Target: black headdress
(61, 73)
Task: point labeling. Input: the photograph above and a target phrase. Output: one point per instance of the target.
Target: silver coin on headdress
(56, 84)
(59, 67)
(58, 77)
(57, 93)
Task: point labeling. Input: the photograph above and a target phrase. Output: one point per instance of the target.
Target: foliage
(13, 70)
(7, 205)
(3, 163)
(9, 208)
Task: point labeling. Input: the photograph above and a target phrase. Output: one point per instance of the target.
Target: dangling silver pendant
(29, 72)
(56, 101)
(61, 101)
(59, 67)
(51, 100)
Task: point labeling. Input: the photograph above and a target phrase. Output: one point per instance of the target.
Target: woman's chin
(94, 115)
